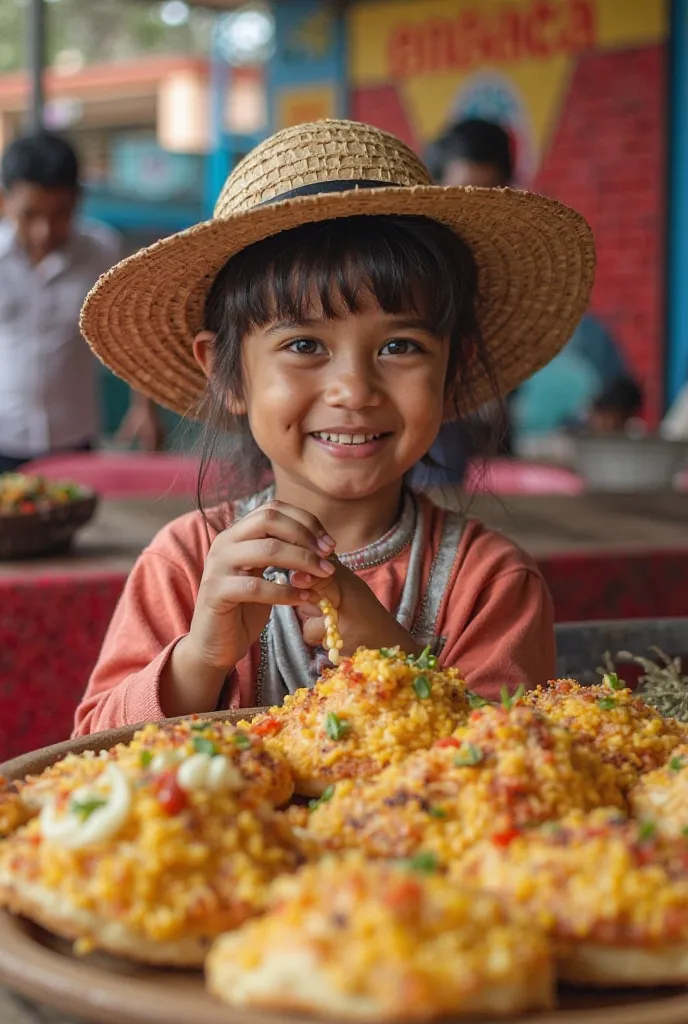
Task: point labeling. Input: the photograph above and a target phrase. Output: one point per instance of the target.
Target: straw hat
(536, 257)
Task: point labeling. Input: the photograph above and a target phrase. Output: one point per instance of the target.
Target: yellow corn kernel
(333, 640)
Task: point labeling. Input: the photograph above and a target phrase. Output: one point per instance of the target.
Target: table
(603, 556)
(16, 1010)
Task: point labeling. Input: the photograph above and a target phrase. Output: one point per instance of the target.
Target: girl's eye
(306, 346)
(400, 347)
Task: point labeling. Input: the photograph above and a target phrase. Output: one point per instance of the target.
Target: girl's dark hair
(409, 264)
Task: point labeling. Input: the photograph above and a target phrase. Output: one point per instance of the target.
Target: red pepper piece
(171, 796)
(268, 727)
(506, 837)
(448, 741)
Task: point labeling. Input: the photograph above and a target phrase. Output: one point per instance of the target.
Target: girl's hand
(363, 620)
(234, 600)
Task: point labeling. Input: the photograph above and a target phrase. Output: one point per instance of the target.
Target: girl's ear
(203, 354)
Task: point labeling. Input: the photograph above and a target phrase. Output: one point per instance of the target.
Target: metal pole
(36, 64)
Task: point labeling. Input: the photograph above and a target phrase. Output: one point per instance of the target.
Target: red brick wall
(607, 158)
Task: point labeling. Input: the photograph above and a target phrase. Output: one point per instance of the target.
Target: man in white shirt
(48, 263)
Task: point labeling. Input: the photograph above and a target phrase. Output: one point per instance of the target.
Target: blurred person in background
(617, 409)
(480, 153)
(48, 263)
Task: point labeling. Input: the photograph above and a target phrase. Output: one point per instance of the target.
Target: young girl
(333, 312)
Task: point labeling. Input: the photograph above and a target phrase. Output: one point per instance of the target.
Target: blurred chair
(124, 474)
(513, 476)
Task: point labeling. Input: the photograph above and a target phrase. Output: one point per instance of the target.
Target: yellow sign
(312, 103)
(504, 60)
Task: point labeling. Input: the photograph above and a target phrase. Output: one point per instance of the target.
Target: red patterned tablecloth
(53, 615)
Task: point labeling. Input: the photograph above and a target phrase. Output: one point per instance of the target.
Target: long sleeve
(153, 613)
(498, 615)
(509, 636)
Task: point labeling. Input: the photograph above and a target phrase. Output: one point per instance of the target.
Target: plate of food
(39, 516)
(385, 846)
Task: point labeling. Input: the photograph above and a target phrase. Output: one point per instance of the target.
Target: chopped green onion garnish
(336, 727)
(421, 684)
(613, 681)
(646, 831)
(437, 812)
(676, 764)
(388, 652)
(606, 703)
(475, 701)
(85, 808)
(146, 758)
(468, 756)
(425, 863)
(199, 726)
(241, 741)
(327, 794)
(204, 746)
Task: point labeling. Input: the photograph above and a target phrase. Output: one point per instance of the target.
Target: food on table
(626, 731)
(13, 810)
(508, 768)
(352, 939)
(661, 797)
(161, 746)
(146, 864)
(27, 495)
(612, 895)
(374, 710)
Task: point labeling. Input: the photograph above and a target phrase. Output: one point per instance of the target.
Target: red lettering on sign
(508, 33)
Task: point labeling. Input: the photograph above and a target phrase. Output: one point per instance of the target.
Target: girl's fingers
(268, 522)
(314, 631)
(310, 522)
(248, 555)
(235, 590)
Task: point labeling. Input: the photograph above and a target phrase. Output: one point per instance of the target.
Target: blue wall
(677, 299)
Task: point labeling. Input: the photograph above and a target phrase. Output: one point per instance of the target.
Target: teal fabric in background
(557, 395)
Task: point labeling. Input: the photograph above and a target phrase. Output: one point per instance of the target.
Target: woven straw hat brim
(535, 257)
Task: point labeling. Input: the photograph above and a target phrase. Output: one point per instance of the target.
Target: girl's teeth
(346, 438)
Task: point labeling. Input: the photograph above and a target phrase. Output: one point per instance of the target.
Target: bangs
(332, 269)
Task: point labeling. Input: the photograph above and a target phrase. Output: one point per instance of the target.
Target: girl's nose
(354, 388)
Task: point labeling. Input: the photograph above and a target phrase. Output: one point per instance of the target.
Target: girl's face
(345, 406)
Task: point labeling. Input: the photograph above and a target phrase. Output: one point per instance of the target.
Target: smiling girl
(333, 313)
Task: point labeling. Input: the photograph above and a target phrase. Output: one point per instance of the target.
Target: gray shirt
(48, 375)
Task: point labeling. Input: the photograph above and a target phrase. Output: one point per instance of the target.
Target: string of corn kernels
(333, 642)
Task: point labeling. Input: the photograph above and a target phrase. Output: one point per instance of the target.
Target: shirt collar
(7, 237)
(53, 264)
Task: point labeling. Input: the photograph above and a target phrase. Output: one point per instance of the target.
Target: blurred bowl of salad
(39, 516)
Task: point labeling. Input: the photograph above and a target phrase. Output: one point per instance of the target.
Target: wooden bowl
(29, 535)
(107, 990)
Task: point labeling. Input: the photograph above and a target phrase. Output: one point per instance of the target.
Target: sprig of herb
(85, 808)
(606, 703)
(422, 687)
(388, 652)
(199, 726)
(468, 756)
(646, 831)
(424, 863)
(475, 701)
(424, 660)
(336, 727)
(204, 746)
(146, 758)
(241, 740)
(325, 796)
(613, 682)
(509, 699)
